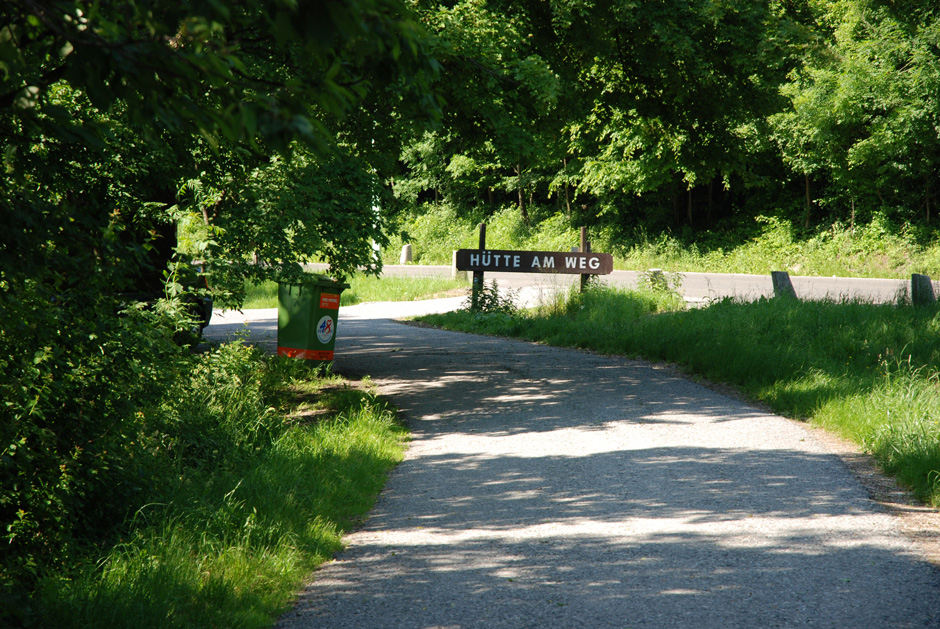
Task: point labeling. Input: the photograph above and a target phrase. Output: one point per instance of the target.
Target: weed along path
(554, 488)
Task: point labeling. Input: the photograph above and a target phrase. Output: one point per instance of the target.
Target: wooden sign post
(585, 248)
(477, 274)
(584, 262)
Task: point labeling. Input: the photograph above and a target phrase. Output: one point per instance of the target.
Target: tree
(607, 101)
(670, 91)
(864, 112)
(258, 75)
(499, 95)
(107, 110)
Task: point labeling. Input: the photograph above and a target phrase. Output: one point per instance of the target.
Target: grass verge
(366, 289)
(870, 373)
(881, 247)
(262, 488)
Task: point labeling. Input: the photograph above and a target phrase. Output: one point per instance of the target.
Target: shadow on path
(556, 488)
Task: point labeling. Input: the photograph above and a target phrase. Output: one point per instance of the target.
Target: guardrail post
(405, 257)
(783, 287)
(921, 290)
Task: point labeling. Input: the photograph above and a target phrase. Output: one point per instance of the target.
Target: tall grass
(897, 419)
(259, 491)
(876, 249)
(366, 289)
(436, 231)
(758, 245)
(866, 371)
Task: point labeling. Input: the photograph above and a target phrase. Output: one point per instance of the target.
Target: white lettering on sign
(535, 261)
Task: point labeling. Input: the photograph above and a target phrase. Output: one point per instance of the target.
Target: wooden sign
(534, 261)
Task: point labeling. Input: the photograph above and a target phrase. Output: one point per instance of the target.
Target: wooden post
(478, 275)
(585, 248)
(783, 287)
(921, 290)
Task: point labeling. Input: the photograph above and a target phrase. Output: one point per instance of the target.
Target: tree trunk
(928, 198)
(215, 210)
(564, 163)
(808, 202)
(688, 210)
(711, 196)
(522, 208)
(676, 215)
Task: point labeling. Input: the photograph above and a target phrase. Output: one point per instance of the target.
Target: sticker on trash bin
(325, 329)
(329, 302)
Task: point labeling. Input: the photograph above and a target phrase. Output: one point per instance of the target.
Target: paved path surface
(555, 488)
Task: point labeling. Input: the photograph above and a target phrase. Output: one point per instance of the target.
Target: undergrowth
(758, 245)
(258, 465)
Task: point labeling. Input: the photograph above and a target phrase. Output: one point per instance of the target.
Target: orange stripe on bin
(306, 354)
(329, 302)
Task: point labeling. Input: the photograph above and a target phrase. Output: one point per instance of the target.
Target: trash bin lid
(321, 281)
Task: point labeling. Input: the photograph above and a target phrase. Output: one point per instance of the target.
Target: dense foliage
(683, 115)
(252, 468)
(116, 120)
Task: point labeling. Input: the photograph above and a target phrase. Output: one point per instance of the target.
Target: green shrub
(250, 498)
(487, 300)
(104, 412)
(78, 379)
(436, 233)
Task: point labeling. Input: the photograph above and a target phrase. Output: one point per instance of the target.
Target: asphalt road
(554, 488)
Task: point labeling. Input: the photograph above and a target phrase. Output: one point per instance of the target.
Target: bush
(260, 465)
(490, 301)
(434, 232)
(78, 380)
(439, 230)
(104, 412)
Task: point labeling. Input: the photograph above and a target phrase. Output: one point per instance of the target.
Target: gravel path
(554, 488)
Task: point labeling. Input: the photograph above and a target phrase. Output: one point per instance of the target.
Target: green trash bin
(306, 318)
